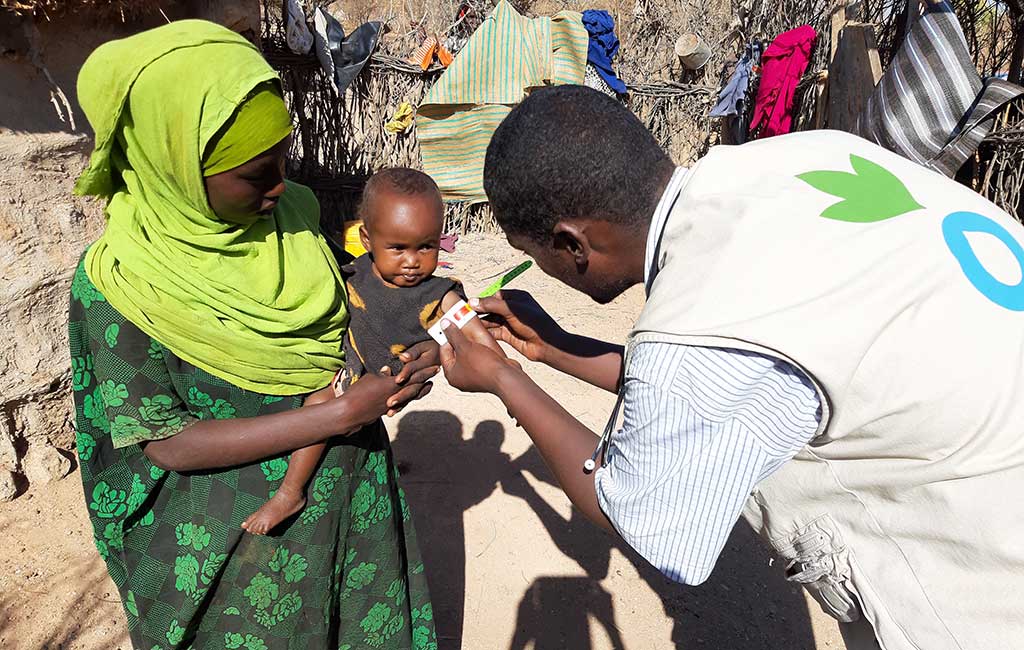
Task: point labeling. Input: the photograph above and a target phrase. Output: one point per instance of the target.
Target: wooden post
(852, 75)
(836, 25)
(692, 51)
(821, 101)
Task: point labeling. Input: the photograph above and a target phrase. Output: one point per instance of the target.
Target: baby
(393, 298)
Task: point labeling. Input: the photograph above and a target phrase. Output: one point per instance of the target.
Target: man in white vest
(832, 346)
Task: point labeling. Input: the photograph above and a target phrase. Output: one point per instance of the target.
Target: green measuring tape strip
(505, 279)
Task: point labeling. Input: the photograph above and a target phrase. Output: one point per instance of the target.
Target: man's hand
(562, 441)
(516, 319)
(470, 366)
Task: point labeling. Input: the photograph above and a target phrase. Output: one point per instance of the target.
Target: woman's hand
(516, 319)
(471, 366)
(369, 397)
(422, 361)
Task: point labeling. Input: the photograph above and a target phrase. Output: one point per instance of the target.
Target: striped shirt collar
(665, 207)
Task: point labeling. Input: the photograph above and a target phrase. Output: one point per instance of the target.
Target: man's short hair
(572, 152)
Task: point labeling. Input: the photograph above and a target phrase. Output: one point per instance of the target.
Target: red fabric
(448, 243)
(782, 65)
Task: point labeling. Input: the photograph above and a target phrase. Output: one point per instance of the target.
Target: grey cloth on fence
(343, 58)
(734, 94)
(931, 106)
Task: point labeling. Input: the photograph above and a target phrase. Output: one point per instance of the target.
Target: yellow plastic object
(401, 120)
(353, 245)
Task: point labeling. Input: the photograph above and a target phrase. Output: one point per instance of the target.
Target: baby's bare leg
(291, 495)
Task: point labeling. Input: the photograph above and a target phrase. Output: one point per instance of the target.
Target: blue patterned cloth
(604, 45)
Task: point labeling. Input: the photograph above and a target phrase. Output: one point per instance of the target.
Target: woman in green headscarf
(200, 319)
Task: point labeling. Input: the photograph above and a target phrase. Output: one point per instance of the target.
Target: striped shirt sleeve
(701, 427)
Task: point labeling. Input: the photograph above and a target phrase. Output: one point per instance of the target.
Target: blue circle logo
(955, 228)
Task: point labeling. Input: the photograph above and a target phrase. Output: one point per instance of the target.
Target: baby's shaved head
(396, 182)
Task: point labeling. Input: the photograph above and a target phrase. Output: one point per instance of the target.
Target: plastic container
(353, 245)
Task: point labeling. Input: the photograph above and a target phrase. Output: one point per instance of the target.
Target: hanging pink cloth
(782, 65)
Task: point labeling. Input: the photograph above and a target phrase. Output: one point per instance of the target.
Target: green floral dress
(345, 573)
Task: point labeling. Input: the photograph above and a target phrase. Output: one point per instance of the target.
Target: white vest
(908, 507)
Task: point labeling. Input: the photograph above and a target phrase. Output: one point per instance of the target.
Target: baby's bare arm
(473, 329)
(325, 394)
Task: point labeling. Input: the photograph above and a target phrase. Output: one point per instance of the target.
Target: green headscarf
(257, 125)
(260, 305)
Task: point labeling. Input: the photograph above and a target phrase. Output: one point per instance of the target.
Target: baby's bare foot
(285, 503)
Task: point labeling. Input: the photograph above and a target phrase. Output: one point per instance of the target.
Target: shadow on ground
(746, 605)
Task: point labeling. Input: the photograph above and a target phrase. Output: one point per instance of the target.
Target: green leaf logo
(871, 193)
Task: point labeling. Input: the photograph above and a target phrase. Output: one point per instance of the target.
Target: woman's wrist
(342, 421)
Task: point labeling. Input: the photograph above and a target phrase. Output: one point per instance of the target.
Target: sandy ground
(510, 565)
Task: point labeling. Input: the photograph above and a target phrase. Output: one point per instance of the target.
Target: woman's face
(250, 191)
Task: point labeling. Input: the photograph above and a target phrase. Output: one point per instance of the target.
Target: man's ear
(572, 238)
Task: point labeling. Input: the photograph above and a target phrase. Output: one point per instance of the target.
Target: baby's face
(403, 234)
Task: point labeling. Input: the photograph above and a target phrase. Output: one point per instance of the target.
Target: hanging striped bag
(931, 106)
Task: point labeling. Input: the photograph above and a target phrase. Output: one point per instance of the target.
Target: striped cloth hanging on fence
(931, 105)
(504, 58)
